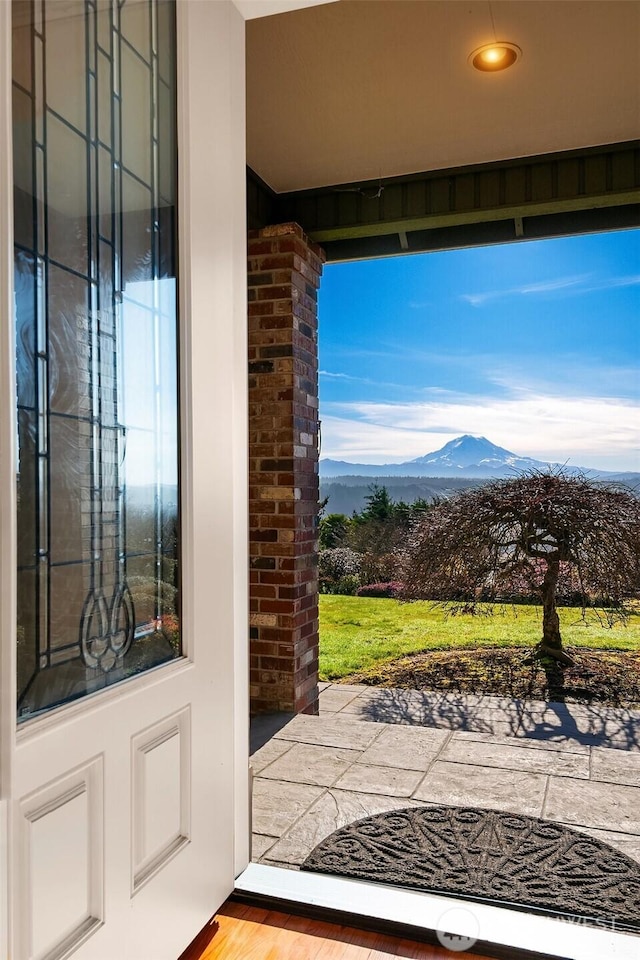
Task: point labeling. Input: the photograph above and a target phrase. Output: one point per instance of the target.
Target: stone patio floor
(377, 749)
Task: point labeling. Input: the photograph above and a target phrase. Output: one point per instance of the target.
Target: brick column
(284, 275)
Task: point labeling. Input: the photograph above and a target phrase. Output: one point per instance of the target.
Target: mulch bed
(610, 677)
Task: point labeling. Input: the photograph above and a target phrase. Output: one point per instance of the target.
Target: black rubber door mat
(488, 855)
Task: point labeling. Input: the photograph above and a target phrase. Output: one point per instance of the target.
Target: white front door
(123, 768)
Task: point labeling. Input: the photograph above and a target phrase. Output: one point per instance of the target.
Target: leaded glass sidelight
(96, 336)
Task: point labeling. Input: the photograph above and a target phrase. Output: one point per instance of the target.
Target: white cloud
(576, 284)
(563, 375)
(342, 376)
(584, 431)
(611, 282)
(377, 383)
(361, 442)
(544, 286)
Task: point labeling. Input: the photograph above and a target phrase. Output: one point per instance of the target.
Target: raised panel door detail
(161, 779)
(62, 875)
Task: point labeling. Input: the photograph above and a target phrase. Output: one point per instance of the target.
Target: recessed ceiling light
(495, 56)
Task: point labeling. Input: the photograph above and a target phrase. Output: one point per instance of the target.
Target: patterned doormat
(488, 855)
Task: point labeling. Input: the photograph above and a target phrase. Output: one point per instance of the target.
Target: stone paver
(496, 726)
(547, 733)
(267, 754)
(335, 699)
(589, 725)
(462, 784)
(593, 804)
(276, 806)
(309, 763)
(525, 743)
(389, 781)
(514, 757)
(408, 748)
(575, 764)
(615, 766)
(334, 809)
(260, 844)
(567, 721)
(384, 705)
(625, 842)
(328, 732)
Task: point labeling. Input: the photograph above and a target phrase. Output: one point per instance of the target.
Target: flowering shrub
(170, 626)
(378, 567)
(524, 585)
(392, 589)
(339, 570)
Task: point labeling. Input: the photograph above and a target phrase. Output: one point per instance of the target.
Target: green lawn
(359, 632)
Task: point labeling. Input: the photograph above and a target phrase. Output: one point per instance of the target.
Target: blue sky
(535, 345)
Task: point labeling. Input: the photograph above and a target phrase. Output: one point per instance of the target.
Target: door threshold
(457, 924)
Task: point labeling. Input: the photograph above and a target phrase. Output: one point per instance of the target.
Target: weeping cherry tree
(529, 528)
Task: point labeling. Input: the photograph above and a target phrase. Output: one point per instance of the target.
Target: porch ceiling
(361, 89)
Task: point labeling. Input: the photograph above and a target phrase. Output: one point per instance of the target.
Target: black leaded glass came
(96, 344)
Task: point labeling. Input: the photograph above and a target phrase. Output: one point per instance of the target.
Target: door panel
(105, 802)
(161, 776)
(123, 772)
(61, 849)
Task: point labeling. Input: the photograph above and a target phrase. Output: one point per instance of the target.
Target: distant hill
(463, 462)
(347, 494)
(464, 457)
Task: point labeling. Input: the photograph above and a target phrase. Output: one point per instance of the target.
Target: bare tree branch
(540, 526)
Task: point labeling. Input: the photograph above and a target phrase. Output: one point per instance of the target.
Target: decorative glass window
(96, 338)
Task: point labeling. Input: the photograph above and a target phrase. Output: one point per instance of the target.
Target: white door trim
(213, 271)
(7, 474)
(8, 407)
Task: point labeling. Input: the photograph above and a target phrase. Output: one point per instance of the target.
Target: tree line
(362, 550)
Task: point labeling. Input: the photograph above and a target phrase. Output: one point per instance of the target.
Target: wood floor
(247, 933)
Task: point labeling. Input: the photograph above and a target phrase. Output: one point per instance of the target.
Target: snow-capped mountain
(465, 456)
(468, 453)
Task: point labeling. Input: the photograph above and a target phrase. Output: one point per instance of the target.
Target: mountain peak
(465, 456)
(466, 450)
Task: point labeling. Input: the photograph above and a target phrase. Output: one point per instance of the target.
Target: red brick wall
(284, 275)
